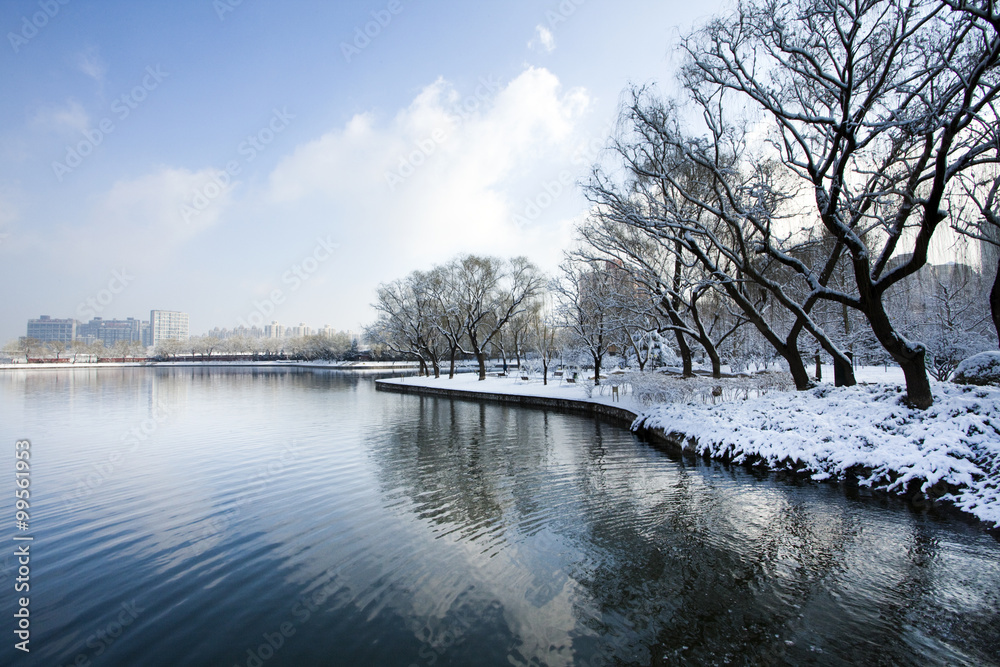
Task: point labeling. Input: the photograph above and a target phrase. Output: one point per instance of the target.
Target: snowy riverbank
(333, 365)
(951, 450)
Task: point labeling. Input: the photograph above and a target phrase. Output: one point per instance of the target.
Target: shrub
(979, 369)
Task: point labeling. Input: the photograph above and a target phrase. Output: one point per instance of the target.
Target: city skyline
(365, 140)
(46, 328)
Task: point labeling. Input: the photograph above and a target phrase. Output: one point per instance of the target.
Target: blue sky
(251, 161)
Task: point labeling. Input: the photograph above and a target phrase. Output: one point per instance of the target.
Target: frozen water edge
(867, 432)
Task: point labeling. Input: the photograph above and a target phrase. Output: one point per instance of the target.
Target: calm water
(240, 517)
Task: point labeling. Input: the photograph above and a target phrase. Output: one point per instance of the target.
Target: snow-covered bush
(660, 352)
(979, 369)
(946, 348)
(654, 388)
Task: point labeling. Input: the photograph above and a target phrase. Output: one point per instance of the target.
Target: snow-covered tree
(491, 292)
(543, 336)
(23, 346)
(589, 307)
(722, 210)
(876, 108)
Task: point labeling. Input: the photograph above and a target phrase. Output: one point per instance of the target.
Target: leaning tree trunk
(909, 356)
(800, 376)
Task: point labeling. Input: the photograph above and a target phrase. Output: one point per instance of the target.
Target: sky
(247, 161)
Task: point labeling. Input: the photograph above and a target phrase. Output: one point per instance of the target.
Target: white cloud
(543, 40)
(142, 217)
(465, 164)
(447, 173)
(64, 119)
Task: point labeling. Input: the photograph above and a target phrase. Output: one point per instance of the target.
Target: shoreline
(576, 406)
(637, 419)
(336, 366)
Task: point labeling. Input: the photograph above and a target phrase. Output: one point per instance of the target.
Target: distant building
(299, 331)
(47, 329)
(167, 325)
(249, 332)
(274, 330)
(111, 331)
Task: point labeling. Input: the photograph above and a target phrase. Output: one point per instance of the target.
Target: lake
(251, 517)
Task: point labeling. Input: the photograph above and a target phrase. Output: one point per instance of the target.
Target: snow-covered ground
(864, 431)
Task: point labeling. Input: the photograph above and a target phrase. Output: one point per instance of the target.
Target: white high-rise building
(167, 325)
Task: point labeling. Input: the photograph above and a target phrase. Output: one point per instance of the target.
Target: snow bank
(982, 368)
(866, 431)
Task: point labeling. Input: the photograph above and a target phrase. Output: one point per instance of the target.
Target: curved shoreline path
(554, 396)
(862, 434)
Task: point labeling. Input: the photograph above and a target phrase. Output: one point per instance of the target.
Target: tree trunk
(910, 357)
(545, 372)
(796, 367)
(819, 368)
(995, 300)
(685, 350)
(706, 340)
(451, 368)
(918, 387)
(481, 358)
(843, 372)
(713, 355)
(675, 304)
(597, 369)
